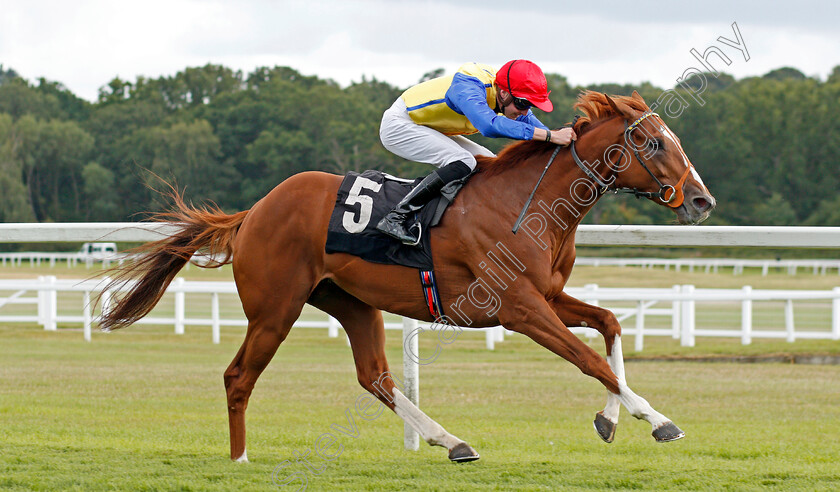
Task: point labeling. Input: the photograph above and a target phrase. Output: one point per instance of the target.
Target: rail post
(51, 304)
(746, 316)
(214, 308)
(411, 375)
(675, 315)
(835, 314)
(87, 318)
(180, 301)
(106, 296)
(789, 328)
(332, 327)
(640, 326)
(41, 302)
(687, 312)
(489, 339)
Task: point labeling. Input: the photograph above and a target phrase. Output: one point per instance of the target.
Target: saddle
(363, 199)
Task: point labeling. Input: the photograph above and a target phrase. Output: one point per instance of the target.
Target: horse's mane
(595, 108)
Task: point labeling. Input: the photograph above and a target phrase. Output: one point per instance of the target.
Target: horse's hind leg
(271, 315)
(365, 329)
(261, 342)
(575, 312)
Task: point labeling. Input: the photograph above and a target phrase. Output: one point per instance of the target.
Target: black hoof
(604, 428)
(668, 432)
(463, 453)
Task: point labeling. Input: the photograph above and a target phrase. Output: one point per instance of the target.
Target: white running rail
(679, 311)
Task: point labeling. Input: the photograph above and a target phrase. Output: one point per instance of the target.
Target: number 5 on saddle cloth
(362, 201)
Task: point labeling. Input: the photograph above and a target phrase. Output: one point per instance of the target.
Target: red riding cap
(523, 78)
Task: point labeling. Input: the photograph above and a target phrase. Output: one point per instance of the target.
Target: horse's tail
(156, 264)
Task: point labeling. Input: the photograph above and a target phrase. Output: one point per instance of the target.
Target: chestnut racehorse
(487, 274)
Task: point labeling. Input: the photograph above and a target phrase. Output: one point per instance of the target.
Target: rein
(531, 197)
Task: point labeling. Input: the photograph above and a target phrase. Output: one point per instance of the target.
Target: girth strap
(430, 292)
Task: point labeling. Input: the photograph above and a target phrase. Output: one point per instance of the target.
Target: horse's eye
(656, 144)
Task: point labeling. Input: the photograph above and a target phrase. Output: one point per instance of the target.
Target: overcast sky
(86, 43)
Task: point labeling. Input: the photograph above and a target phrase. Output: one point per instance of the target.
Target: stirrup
(419, 234)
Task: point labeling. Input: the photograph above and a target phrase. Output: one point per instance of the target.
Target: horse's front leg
(530, 314)
(574, 312)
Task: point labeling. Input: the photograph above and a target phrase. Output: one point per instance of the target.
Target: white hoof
(243, 458)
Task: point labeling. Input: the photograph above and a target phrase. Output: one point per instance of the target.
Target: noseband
(667, 194)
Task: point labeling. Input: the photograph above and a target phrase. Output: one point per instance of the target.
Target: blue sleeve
(468, 96)
(531, 119)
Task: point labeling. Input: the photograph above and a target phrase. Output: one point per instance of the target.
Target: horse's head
(647, 157)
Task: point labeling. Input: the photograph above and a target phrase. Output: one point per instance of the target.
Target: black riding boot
(393, 224)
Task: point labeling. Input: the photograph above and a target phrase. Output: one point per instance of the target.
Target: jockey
(428, 123)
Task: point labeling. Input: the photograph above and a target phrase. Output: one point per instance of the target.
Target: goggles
(521, 103)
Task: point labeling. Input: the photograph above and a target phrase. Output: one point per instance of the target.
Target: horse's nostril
(702, 204)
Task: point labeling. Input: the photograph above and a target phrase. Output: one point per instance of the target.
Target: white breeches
(402, 136)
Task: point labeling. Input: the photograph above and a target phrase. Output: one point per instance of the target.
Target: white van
(98, 251)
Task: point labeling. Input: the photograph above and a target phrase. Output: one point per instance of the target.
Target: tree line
(767, 147)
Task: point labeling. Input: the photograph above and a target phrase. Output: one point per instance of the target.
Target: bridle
(667, 194)
(673, 199)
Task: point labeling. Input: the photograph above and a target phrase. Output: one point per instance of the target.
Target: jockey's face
(507, 106)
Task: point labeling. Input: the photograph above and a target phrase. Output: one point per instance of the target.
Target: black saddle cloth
(363, 199)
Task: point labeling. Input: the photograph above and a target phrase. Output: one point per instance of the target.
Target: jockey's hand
(563, 136)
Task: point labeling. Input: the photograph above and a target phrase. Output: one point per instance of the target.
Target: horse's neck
(561, 200)
(569, 196)
(593, 149)
(553, 213)
(567, 193)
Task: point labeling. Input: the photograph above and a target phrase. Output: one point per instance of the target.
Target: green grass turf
(145, 410)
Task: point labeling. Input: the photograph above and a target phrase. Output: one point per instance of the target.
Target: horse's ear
(638, 97)
(613, 105)
(619, 108)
